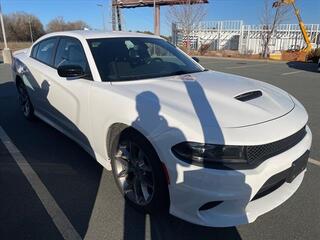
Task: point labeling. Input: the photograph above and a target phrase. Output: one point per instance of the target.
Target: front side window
(70, 52)
(45, 50)
(123, 59)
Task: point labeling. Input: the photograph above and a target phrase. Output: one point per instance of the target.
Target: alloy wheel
(134, 173)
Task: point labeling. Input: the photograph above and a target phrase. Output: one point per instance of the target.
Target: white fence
(235, 35)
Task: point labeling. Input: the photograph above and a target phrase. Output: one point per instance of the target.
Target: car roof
(92, 34)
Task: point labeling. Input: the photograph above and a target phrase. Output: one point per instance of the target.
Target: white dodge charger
(213, 148)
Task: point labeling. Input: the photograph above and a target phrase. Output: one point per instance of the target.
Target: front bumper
(195, 186)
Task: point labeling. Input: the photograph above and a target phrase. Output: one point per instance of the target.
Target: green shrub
(314, 55)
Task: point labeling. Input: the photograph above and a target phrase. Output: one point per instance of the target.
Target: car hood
(211, 97)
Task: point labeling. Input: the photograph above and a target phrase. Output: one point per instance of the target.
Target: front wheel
(138, 173)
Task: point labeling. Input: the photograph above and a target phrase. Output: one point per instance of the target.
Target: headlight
(200, 153)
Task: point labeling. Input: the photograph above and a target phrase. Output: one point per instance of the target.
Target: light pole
(30, 28)
(6, 53)
(103, 17)
(3, 30)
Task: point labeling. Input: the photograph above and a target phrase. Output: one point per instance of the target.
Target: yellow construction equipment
(303, 29)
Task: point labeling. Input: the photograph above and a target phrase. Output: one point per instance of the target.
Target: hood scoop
(244, 97)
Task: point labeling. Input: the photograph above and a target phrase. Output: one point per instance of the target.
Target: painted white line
(315, 162)
(247, 66)
(289, 73)
(55, 212)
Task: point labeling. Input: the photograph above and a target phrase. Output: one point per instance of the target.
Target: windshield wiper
(180, 72)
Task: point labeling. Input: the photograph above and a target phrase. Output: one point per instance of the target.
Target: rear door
(40, 68)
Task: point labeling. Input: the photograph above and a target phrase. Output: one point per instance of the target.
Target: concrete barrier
(7, 55)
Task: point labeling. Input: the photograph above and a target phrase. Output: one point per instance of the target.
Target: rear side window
(45, 50)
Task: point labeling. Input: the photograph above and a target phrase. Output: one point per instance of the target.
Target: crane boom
(301, 24)
(303, 28)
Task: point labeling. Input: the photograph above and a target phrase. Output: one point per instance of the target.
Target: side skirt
(106, 163)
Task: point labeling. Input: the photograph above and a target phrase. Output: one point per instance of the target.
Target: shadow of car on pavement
(75, 179)
(309, 67)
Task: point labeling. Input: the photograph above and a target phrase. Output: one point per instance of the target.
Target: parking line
(315, 162)
(289, 73)
(55, 212)
(246, 66)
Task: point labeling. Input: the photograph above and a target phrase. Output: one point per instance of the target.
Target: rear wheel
(24, 101)
(138, 173)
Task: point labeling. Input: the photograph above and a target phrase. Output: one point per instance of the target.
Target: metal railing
(248, 39)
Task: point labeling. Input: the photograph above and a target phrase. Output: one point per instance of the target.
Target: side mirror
(70, 71)
(196, 59)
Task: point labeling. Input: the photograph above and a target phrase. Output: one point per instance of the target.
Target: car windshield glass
(133, 58)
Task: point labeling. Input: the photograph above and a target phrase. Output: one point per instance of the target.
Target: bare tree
(77, 25)
(188, 15)
(22, 26)
(273, 15)
(56, 25)
(59, 24)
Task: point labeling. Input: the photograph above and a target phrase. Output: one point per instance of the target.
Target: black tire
(25, 102)
(159, 199)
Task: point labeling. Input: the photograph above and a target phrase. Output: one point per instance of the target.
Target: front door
(68, 98)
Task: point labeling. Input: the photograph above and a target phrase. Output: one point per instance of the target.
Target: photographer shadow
(164, 225)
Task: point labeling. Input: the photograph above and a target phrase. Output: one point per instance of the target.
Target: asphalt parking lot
(78, 188)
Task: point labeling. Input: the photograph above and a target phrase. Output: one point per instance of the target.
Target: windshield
(123, 59)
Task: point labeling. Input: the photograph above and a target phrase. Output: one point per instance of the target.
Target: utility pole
(156, 18)
(103, 17)
(30, 28)
(6, 52)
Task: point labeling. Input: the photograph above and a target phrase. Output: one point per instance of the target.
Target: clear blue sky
(142, 19)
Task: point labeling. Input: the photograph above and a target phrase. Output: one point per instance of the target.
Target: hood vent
(248, 96)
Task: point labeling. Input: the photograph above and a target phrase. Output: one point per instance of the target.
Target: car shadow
(71, 175)
(160, 226)
(81, 186)
(308, 67)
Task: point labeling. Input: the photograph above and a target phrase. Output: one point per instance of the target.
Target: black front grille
(259, 153)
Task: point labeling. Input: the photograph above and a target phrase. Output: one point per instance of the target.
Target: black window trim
(89, 77)
(34, 50)
(55, 48)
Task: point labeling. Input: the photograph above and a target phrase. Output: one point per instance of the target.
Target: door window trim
(55, 48)
(84, 53)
